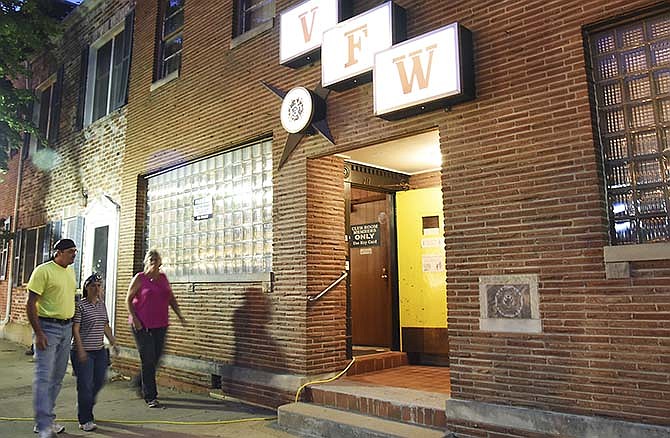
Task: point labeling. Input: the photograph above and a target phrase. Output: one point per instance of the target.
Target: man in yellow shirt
(50, 309)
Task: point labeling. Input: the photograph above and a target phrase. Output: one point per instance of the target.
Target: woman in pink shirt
(149, 296)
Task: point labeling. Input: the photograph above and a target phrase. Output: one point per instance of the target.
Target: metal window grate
(632, 80)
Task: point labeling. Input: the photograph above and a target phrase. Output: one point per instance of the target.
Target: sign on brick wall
(509, 303)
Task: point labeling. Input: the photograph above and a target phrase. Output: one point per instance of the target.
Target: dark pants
(150, 343)
(91, 376)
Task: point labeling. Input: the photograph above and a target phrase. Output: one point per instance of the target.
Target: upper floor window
(170, 37)
(631, 74)
(46, 110)
(108, 69)
(250, 14)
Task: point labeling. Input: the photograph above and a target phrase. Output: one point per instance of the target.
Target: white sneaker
(56, 428)
(88, 426)
(49, 433)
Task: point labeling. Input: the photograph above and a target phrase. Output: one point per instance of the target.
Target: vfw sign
(427, 72)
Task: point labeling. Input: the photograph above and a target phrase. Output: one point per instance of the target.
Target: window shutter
(56, 105)
(158, 41)
(83, 76)
(31, 141)
(56, 230)
(127, 54)
(5, 226)
(45, 248)
(25, 149)
(16, 263)
(51, 235)
(78, 237)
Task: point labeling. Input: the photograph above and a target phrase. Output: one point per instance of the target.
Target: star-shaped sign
(302, 112)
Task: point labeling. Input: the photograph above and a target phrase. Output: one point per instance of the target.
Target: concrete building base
(15, 332)
(547, 422)
(319, 421)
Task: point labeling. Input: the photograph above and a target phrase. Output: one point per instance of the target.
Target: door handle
(385, 274)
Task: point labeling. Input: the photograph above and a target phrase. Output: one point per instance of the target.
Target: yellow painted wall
(423, 295)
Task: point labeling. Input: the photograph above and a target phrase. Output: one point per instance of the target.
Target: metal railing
(311, 298)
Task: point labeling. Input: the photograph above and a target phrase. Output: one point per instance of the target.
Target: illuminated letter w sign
(419, 72)
(427, 72)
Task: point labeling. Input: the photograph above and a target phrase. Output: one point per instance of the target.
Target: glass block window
(211, 220)
(631, 72)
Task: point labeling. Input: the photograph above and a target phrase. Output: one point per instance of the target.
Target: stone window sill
(618, 258)
(246, 36)
(637, 253)
(169, 78)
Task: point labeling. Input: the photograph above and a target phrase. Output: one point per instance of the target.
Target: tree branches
(27, 28)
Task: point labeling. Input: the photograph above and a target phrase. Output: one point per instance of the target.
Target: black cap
(64, 244)
(92, 278)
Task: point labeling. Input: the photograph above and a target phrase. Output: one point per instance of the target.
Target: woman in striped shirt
(89, 356)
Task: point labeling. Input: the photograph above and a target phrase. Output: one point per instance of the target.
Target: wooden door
(371, 291)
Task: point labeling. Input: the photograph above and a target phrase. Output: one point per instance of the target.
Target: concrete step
(320, 421)
(377, 361)
(397, 404)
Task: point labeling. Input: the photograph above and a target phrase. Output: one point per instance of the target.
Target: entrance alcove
(396, 289)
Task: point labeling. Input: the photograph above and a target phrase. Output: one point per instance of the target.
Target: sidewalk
(117, 401)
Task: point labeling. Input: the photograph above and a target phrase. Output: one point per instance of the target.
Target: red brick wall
(522, 194)
(7, 196)
(8, 184)
(326, 250)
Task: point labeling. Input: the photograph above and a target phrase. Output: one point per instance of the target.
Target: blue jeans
(91, 376)
(50, 366)
(150, 343)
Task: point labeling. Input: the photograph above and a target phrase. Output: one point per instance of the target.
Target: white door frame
(100, 212)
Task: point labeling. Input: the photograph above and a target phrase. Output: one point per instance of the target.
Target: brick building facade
(523, 194)
(556, 269)
(68, 185)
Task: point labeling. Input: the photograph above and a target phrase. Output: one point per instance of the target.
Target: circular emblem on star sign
(297, 110)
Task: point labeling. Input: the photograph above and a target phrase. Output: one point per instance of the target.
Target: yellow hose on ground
(297, 394)
(194, 423)
(183, 423)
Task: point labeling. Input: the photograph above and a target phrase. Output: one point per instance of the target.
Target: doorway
(373, 282)
(101, 231)
(397, 284)
(370, 260)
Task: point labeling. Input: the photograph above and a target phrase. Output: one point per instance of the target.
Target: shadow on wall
(255, 345)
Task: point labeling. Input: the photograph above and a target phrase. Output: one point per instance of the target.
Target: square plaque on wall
(509, 303)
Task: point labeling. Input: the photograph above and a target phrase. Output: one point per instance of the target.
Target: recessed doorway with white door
(101, 236)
